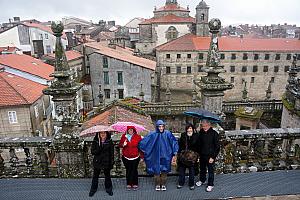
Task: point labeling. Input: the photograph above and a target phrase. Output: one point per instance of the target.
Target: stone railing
(267, 106)
(241, 151)
(167, 109)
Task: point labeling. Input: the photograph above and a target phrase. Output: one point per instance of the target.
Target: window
(252, 79)
(245, 56)
(168, 56)
(178, 70)
(267, 56)
(189, 56)
(288, 56)
(256, 56)
(48, 49)
(244, 69)
(233, 56)
(106, 78)
(178, 56)
(168, 70)
(105, 62)
(171, 33)
(202, 17)
(255, 68)
(121, 93)
(272, 79)
(12, 117)
(266, 69)
(188, 69)
(120, 78)
(36, 111)
(46, 36)
(200, 68)
(286, 68)
(277, 57)
(276, 68)
(41, 36)
(232, 79)
(298, 56)
(107, 93)
(222, 56)
(201, 56)
(232, 68)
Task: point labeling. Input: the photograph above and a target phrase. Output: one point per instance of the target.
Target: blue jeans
(181, 180)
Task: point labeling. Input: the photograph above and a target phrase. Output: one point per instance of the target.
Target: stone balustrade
(241, 151)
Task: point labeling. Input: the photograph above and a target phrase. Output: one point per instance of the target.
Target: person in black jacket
(188, 141)
(103, 151)
(209, 149)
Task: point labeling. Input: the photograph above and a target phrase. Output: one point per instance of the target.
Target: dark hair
(108, 136)
(188, 126)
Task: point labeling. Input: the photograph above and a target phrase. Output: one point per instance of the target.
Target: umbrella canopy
(203, 114)
(122, 126)
(95, 129)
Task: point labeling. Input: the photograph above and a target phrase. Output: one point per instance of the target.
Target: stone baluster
(277, 151)
(118, 163)
(42, 161)
(1, 164)
(251, 154)
(28, 160)
(290, 154)
(14, 160)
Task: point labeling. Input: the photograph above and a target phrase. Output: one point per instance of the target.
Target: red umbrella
(95, 129)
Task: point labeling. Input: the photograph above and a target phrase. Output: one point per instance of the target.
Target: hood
(131, 127)
(159, 122)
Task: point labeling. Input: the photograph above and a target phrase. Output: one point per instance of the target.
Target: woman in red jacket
(131, 156)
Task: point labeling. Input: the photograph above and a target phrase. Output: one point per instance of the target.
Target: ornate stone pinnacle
(57, 28)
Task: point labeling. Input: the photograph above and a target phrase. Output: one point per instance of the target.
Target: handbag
(188, 157)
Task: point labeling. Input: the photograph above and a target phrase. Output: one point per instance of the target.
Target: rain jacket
(158, 148)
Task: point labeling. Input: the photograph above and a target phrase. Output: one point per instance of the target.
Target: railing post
(28, 161)
(14, 160)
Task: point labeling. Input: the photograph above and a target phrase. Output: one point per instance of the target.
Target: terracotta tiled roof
(8, 49)
(124, 54)
(71, 55)
(171, 7)
(16, 90)
(118, 113)
(190, 42)
(169, 19)
(42, 27)
(27, 64)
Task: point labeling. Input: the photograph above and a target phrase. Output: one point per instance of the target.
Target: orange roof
(27, 64)
(8, 49)
(124, 54)
(190, 42)
(42, 27)
(169, 19)
(71, 55)
(122, 114)
(16, 90)
(171, 7)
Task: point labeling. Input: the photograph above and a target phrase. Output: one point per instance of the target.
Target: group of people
(159, 149)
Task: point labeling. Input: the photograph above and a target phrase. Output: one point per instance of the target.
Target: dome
(202, 4)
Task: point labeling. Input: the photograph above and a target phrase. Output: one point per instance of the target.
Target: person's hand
(125, 143)
(211, 160)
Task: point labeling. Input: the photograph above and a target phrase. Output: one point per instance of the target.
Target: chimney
(16, 19)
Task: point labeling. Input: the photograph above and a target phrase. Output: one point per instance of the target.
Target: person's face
(103, 135)
(190, 130)
(130, 131)
(161, 128)
(206, 125)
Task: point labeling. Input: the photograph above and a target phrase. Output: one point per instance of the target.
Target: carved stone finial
(57, 28)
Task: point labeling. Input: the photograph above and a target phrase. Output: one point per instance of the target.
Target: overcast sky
(228, 11)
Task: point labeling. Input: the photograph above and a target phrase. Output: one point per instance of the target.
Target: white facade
(161, 30)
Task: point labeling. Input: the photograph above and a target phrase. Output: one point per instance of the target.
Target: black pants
(131, 170)
(107, 182)
(205, 165)
(181, 171)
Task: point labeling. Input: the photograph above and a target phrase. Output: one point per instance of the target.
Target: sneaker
(92, 192)
(192, 187)
(209, 188)
(179, 186)
(163, 188)
(199, 183)
(157, 188)
(128, 187)
(135, 187)
(110, 193)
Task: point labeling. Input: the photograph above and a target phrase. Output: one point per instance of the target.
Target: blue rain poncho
(159, 148)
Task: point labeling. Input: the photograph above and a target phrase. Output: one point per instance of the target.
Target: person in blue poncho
(160, 148)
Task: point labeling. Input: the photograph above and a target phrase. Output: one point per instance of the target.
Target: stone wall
(289, 120)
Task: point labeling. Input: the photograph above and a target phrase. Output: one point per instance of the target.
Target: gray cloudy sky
(229, 11)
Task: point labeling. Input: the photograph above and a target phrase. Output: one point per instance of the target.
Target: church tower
(171, 2)
(202, 11)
